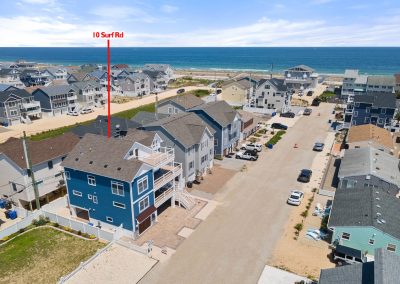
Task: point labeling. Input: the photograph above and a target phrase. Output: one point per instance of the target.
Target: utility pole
(29, 166)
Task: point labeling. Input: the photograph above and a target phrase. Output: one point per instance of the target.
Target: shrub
(304, 214)
(79, 233)
(41, 222)
(56, 225)
(257, 134)
(21, 230)
(299, 227)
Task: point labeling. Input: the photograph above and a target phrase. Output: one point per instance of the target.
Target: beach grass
(43, 255)
(187, 81)
(128, 114)
(325, 96)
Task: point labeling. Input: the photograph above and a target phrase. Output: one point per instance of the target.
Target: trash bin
(330, 121)
(12, 214)
(2, 203)
(189, 184)
(270, 146)
(274, 113)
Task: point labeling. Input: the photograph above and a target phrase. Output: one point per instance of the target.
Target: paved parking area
(251, 217)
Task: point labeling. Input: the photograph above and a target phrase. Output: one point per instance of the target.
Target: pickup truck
(247, 155)
(252, 146)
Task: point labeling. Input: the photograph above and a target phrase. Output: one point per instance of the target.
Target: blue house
(226, 122)
(123, 182)
(376, 109)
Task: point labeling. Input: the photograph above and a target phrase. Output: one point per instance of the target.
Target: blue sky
(201, 22)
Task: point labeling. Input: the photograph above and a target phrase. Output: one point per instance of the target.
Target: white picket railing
(20, 224)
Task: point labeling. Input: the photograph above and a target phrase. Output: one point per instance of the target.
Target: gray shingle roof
(186, 128)
(279, 84)
(385, 269)
(378, 100)
(186, 101)
(103, 156)
(381, 80)
(84, 84)
(4, 87)
(145, 117)
(302, 66)
(19, 92)
(370, 161)
(156, 67)
(366, 207)
(56, 90)
(219, 111)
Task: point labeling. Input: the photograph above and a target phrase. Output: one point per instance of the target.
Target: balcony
(164, 196)
(171, 172)
(31, 108)
(72, 98)
(159, 158)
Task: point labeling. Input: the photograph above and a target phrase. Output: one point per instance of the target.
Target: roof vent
(383, 221)
(76, 159)
(378, 168)
(91, 162)
(105, 166)
(377, 205)
(378, 214)
(377, 198)
(118, 169)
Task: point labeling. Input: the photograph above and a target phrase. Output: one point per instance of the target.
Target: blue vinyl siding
(149, 192)
(374, 115)
(104, 207)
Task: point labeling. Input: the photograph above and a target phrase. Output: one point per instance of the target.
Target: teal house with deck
(365, 219)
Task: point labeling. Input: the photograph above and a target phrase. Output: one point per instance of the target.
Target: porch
(159, 158)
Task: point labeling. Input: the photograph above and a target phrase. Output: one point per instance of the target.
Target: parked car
(279, 126)
(316, 102)
(288, 114)
(247, 155)
(73, 113)
(305, 176)
(86, 110)
(252, 146)
(307, 111)
(309, 93)
(318, 146)
(180, 91)
(295, 197)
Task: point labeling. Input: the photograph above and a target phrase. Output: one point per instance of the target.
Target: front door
(144, 225)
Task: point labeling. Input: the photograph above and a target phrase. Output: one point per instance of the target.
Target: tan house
(362, 136)
(250, 124)
(236, 92)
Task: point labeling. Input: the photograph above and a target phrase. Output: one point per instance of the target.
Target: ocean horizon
(326, 60)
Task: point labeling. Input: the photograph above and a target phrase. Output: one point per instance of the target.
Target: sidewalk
(49, 123)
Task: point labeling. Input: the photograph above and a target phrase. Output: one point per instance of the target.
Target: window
(142, 184)
(345, 236)
(50, 164)
(355, 113)
(215, 142)
(109, 219)
(77, 193)
(91, 180)
(191, 165)
(371, 241)
(383, 111)
(391, 247)
(119, 205)
(117, 188)
(95, 201)
(13, 112)
(144, 204)
(67, 176)
(89, 196)
(170, 110)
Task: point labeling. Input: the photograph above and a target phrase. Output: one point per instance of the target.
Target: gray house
(385, 269)
(90, 94)
(192, 140)
(18, 106)
(369, 167)
(179, 104)
(301, 77)
(271, 95)
(57, 100)
(135, 85)
(381, 84)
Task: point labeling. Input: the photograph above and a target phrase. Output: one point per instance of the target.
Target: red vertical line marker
(109, 88)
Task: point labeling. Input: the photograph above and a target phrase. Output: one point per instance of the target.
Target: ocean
(328, 60)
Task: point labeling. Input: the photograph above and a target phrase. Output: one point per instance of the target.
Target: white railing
(72, 98)
(20, 225)
(164, 196)
(158, 158)
(166, 178)
(185, 198)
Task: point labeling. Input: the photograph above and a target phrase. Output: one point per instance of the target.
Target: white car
(246, 156)
(86, 110)
(252, 146)
(295, 197)
(73, 113)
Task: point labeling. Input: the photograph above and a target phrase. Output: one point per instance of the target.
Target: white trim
(90, 197)
(67, 175)
(117, 189)
(141, 180)
(95, 200)
(109, 219)
(114, 204)
(91, 183)
(341, 237)
(148, 203)
(77, 193)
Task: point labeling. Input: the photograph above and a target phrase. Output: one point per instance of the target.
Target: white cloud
(321, 1)
(38, 1)
(169, 9)
(130, 13)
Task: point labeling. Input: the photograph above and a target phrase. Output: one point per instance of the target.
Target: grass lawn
(276, 138)
(199, 93)
(43, 256)
(325, 96)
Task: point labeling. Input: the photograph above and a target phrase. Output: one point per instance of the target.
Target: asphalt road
(234, 243)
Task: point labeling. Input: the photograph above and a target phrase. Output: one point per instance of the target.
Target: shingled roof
(146, 117)
(220, 111)
(18, 92)
(383, 100)
(40, 151)
(186, 128)
(385, 269)
(186, 101)
(103, 156)
(366, 207)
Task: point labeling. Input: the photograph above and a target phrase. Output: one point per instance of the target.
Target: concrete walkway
(234, 243)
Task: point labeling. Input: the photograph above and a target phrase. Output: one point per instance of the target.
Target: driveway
(234, 243)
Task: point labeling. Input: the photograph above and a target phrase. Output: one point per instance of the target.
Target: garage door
(144, 225)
